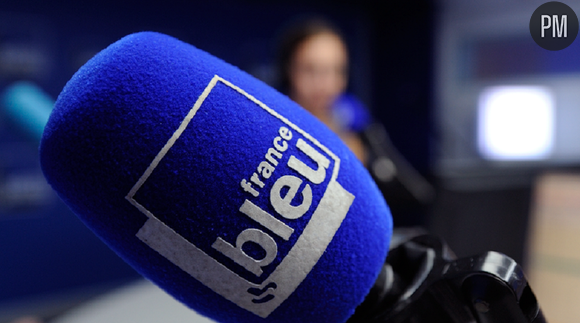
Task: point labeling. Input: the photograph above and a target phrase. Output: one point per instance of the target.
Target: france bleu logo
(290, 200)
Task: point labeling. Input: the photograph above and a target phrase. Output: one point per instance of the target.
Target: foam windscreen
(214, 186)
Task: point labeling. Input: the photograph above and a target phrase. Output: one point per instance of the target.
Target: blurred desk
(553, 266)
(141, 302)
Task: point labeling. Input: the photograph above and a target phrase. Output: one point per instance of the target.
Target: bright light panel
(515, 122)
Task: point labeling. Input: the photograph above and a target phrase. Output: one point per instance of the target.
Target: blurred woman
(313, 62)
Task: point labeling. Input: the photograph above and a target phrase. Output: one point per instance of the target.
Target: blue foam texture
(108, 153)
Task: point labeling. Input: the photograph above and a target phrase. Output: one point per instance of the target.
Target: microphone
(219, 189)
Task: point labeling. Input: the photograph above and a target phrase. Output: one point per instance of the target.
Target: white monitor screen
(515, 123)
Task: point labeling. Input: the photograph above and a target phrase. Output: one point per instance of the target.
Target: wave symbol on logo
(260, 292)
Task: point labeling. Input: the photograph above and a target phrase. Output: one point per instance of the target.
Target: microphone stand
(422, 281)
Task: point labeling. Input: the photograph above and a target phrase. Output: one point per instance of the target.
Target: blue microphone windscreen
(351, 113)
(214, 186)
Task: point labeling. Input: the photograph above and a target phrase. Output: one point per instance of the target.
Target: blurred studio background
(474, 129)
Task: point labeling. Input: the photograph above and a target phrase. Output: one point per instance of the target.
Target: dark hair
(294, 35)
